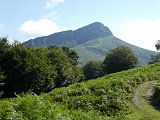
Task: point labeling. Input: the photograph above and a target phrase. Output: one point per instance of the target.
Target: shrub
(120, 58)
(93, 70)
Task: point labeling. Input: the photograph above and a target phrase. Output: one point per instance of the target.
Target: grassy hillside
(105, 98)
(97, 49)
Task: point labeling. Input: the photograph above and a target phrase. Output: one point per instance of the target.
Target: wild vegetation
(155, 98)
(93, 70)
(105, 98)
(36, 69)
(40, 80)
(156, 91)
(118, 59)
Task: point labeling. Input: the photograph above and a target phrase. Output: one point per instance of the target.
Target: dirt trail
(137, 95)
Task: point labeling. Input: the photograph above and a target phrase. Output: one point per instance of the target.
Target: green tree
(118, 59)
(2, 77)
(4, 45)
(26, 69)
(155, 58)
(35, 69)
(157, 45)
(72, 55)
(93, 69)
(67, 72)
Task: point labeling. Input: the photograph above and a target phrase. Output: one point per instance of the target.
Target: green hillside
(91, 42)
(106, 98)
(98, 48)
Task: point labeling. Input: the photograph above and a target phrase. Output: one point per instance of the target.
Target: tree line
(118, 59)
(28, 69)
(37, 70)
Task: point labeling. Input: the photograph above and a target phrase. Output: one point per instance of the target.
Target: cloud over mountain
(39, 28)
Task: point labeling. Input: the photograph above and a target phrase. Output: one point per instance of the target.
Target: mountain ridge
(91, 42)
(72, 37)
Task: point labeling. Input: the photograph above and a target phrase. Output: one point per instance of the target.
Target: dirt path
(140, 106)
(137, 95)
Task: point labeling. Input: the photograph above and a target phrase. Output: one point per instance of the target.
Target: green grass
(105, 98)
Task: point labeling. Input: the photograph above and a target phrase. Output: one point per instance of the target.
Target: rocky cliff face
(72, 38)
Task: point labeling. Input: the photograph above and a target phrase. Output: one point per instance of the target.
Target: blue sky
(134, 21)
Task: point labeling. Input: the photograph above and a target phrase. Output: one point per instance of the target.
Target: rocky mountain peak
(91, 31)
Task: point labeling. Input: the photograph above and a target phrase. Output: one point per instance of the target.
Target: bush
(93, 70)
(120, 58)
(31, 107)
(156, 93)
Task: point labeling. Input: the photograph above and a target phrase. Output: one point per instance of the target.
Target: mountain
(72, 38)
(91, 42)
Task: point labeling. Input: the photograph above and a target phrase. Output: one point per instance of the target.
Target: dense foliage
(72, 55)
(1, 82)
(33, 107)
(155, 59)
(120, 58)
(93, 69)
(157, 45)
(156, 93)
(35, 69)
(156, 89)
(105, 97)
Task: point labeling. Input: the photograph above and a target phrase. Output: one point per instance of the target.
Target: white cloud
(52, 3)
(141, 32)
(39, 28)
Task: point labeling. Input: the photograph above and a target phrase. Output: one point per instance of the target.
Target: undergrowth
(101, 99)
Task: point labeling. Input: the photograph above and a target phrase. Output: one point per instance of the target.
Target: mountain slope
(72, 38)
(98, 48)
(91, 42)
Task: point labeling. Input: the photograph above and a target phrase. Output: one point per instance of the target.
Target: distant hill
(91, 42)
